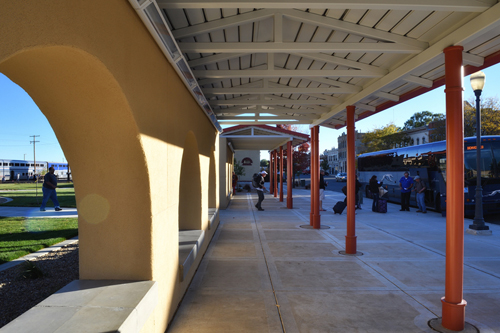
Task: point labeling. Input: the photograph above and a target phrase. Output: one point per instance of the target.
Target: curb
(37, 254)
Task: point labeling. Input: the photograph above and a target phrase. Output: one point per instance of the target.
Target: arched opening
(92, 120)
(190, 204)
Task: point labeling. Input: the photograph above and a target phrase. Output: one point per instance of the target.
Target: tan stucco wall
(122, 117)
(254, 155)
(226, 160)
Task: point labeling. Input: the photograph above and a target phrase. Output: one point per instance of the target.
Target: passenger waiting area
(265, 271)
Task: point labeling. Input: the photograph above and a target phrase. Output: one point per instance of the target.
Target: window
(11, 164)
(16, 164)
(418, 141)
(423, 139)
(22, 164)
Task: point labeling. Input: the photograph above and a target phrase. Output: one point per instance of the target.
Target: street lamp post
(477, 82)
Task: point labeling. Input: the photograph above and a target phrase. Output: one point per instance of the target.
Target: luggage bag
(382, 206)
(339, 207)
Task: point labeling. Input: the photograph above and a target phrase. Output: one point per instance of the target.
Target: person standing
(49, 190)
(405, 184)
(322, 188)
(260, 189)
(373, 186)
(420, 190)
(234, 182)
(358, 195)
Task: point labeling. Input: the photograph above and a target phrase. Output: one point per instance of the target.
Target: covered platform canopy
(262, 137)
(286, 61)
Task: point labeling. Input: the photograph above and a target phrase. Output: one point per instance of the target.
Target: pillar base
(476, 232)
(317, 221)
(289, 203)
(453, 315)
(350, 244)
(436, 325)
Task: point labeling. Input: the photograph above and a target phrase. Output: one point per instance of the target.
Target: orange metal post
(275, 185)
(350, 238)
(311, 168)
(316, 215)
(289, 174)
(453, 304)
(281, 173)
(271, 163)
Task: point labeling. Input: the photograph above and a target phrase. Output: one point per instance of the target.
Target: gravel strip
(18, 294)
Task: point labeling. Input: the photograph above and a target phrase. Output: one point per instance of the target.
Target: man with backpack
(258, 184)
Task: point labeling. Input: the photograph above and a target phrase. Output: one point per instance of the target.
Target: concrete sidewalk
(264, 273)
(35, 212)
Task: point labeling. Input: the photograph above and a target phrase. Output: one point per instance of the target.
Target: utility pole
(34, 151)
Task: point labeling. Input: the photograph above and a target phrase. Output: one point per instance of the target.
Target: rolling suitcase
(339, 207)
(382, 206)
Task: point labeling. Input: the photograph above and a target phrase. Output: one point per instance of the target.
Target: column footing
(357, 254)
(307, 226)
(436, 325)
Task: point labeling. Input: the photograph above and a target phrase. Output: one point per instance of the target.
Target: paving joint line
(250, 203)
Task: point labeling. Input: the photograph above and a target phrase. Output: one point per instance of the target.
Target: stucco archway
(212, 181)
(91, 118)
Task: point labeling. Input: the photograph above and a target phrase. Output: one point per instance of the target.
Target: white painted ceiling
(276, 62)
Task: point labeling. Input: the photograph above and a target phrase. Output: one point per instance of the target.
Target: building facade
(332, 156)
(342, 149)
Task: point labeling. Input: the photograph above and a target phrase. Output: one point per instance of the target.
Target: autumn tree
(384, 138)
(490, 116)
(422, 118)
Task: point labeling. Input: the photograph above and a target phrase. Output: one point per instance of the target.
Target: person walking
(322, 188)
(49, 190)
(260, 189)
(420, 190)
(405, 184)
(373, 186)
(234, 182)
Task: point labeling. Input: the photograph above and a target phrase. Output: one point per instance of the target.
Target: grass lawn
(26, 195)
(29, 186)
(20, 236)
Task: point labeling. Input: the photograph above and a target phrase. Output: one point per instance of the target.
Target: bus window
(487, 165)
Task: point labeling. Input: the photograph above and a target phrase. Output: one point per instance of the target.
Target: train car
(14, 170)
(429, 162)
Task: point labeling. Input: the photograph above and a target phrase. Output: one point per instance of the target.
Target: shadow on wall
(190, 204)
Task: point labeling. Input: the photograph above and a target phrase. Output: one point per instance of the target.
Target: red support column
(453, 304)
(289, 174)
(350, 238)
(281, 173)
(311, 168)
(271, 173)
(276, 173)
(316, 215)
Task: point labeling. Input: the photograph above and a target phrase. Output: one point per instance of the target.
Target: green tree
(422, 118)
(324, 162)
(239, 169)
(384, 138)
(264, 163)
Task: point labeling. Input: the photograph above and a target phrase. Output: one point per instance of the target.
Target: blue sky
(21, 118)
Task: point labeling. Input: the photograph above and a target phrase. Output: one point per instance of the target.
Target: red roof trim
(490, 60)
(266, 127)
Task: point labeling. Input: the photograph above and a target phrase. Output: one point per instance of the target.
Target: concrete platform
(263, 273)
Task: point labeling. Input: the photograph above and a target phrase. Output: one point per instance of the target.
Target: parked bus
(429, 162)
